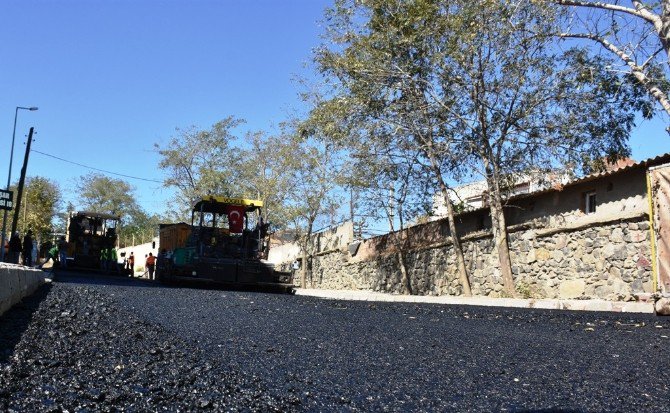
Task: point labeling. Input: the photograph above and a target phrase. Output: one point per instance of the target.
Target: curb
(548, 304)
(17, 282)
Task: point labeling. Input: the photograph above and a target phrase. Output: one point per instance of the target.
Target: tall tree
(636, 36)
(42, 200)
(314, 174)
(263, 163)
(521, 105)
(201, 162)
(220, 161)
(99, 193)
(383, 66)
(393, 190)
(472, 83)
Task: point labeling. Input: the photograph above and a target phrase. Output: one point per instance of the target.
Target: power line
(96, 169)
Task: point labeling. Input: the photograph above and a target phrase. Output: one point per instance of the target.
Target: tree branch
(636, 70)
(639, 10)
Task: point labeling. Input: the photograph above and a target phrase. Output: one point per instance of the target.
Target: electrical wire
(96, 169)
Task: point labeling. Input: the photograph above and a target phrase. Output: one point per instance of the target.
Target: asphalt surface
(110, 344)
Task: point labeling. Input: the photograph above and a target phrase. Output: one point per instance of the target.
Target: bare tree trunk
(303, 271)
(406, 282)
(499, 229)
(401, 245)
(303, 268)
(458, 249)
(663, 28)
(407, 285)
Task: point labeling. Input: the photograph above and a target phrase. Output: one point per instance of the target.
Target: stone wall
(607, 259)
(558, 248)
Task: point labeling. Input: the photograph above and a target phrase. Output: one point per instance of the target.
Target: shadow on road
(15, 321)
(95, 278)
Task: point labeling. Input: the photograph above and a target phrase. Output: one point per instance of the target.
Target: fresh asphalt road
(327, 355)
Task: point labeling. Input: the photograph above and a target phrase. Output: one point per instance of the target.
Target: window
(590, 202)
(481, 224)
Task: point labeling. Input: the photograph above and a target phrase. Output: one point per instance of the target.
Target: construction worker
(14, 248)
(113, 260)
(52, 255)
(131, 264)
(103, 259)
(28, 248)
(151, 265)
(62, 252)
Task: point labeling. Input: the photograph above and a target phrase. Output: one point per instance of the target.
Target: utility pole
(9, 179)
(22, 180)
(25, 213)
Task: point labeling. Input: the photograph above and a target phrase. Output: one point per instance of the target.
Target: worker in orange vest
(151, 265)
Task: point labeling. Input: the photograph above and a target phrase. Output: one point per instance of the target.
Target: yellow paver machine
(226, 243)
(87, 234)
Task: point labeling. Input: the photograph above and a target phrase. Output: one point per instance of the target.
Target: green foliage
(220, 161)
(201, 162)
(476, 85)
(314, 173)
(631, 35)
(99, 193)
(524, 290)
(139, 226)
(265, 163)
(39, 207)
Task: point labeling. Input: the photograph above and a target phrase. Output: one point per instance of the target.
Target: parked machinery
(87, 234)
(227, 242)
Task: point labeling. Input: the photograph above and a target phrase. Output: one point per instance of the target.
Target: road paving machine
(226, 243)
(87, 234)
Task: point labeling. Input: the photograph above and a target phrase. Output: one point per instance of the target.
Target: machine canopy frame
(219, 204)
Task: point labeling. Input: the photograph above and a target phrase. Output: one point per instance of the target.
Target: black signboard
(6, 200)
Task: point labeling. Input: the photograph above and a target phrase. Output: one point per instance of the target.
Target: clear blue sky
(111, 78)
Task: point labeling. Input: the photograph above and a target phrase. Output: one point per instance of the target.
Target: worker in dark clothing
(62, 252)
(14, 248)
(28, 249)
(131, 264)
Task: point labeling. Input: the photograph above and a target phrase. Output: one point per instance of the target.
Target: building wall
(621, 194)
(283, 253)
(472, 195)
(335, 238)
(557, 250)
(139, 251)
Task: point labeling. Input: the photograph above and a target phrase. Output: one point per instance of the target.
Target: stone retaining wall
(17, 282)
(607, 260)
